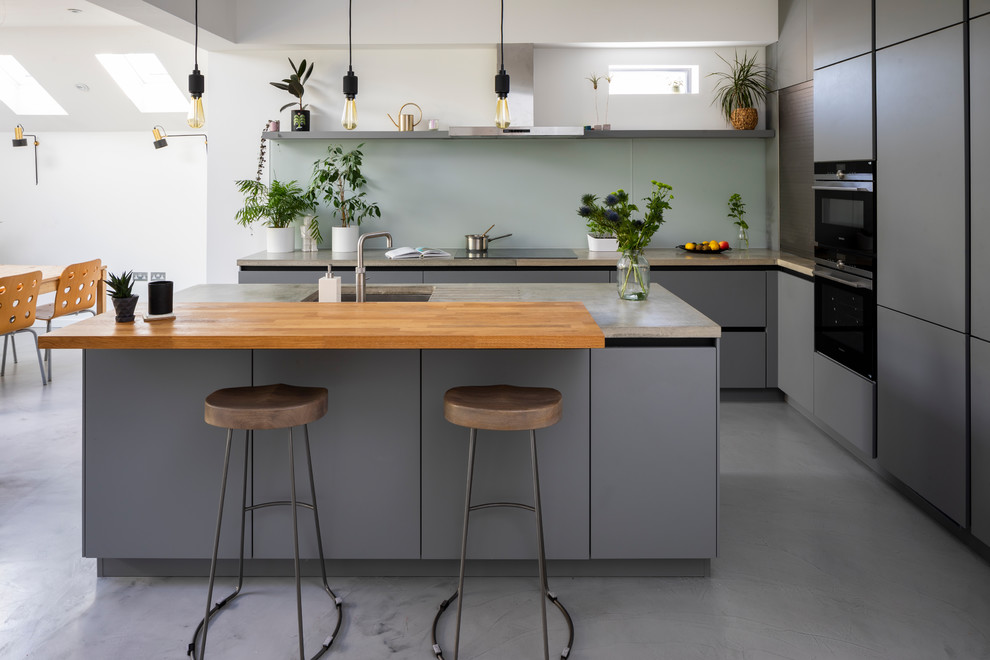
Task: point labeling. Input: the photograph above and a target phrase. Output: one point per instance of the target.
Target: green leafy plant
(737, 209)
(338, 180)
(120, 286)
(296, 83)
(614, 216)
(277, 206)
(743, 86)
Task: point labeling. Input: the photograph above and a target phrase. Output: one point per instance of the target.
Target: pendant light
(197, 84)
(349, 119)
(502, 78)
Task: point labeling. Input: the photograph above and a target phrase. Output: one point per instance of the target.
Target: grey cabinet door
(654, 448)
(898, 20)
(365, 456)
(503, 465)
(921, 409)
(793, 52)
(796, 339)
(744, 359)
(152, 492)
(840, 29)
(844, 110)
(979, 475)
(515, 275)
(979, 7)
(921, 192)
(732, 298)
(979, 101)
(845, 402)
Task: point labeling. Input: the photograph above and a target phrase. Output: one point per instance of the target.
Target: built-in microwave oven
(845, 206)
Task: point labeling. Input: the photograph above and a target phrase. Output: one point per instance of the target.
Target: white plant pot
(344, 239)
(602, 244)
(282, 239)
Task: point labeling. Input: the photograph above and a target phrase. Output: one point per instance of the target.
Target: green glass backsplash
(432, 192)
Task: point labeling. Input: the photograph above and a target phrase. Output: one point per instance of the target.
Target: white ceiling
(55, 13)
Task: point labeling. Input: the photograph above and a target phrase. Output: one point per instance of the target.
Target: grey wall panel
(152, 492)
(980, 441)
(515, 276)
(921, 408)
(898, 20)
(654, 487)
(921, 190)
(502, 467)
(301, 276)
(744, 360)
(731, 298)
(844, 110)
(979, 44)
(365, 455)
(845, 400)
(796, 339)
(841, 29)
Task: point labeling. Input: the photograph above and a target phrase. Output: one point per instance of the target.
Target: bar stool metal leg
(464, 537)
(295, 547)
(216, 546)
(538, 510)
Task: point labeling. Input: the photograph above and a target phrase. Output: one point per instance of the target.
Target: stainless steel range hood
(519, 65)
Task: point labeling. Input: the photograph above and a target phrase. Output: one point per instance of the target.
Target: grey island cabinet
(629, 475)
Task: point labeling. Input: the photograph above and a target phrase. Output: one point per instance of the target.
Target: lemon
(713, 245)
(689, 246)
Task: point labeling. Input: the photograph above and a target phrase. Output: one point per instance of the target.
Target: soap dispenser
(329, 287)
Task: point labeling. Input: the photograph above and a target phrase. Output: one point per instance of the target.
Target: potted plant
(633, 236)
(120, 289)
(601, 229)
(594, 79)
(296, 85)
(338, 180)
(277, 206)
(737, 209)
(739, 91)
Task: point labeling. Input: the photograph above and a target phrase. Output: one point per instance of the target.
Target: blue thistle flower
(611, 200)
(638, 224)
(611, 216)
(584, 212)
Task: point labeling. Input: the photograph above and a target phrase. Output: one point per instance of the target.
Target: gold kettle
(406, 122)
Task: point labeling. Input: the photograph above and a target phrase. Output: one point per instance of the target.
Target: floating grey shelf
(443, 135)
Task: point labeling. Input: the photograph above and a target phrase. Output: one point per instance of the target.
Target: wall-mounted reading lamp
(21, 141)
(160, 136)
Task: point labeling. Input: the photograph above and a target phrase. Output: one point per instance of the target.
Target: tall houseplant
(295, 84)
(275, 206)
(339, 182)
(740, 90)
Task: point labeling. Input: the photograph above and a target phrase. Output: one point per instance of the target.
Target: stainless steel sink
(388, 297)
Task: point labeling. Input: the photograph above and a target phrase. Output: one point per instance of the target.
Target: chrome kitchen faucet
(359, 270)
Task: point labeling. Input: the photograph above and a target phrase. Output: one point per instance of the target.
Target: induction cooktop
(518, 253)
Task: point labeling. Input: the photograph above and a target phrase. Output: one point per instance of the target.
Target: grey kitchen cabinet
(844, 110)
(793, 50)
(502, 465)
(732, 297)
(979, 469)
(979, 101)
(921, 174)
(516, 275)
(362, 449)
(654, 490)
(294, 275)
(134, 483)
(841, 29)
(796, 339)
(921, 409)
(744, 359)
(899, 20)
(846, 403)
(979, 7)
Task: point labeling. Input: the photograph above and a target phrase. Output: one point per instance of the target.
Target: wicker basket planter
(745, 119)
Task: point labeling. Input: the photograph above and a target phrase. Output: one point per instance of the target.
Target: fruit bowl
(698, 249)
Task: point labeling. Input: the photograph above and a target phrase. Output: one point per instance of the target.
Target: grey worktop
(659, 257)
(662, 315)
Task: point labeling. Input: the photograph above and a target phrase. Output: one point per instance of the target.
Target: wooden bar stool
(503, 408)
(266, 407)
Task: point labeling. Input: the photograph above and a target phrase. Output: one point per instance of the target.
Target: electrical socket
(156, 276)
(141, 277)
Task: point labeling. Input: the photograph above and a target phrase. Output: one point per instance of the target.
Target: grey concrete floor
(818, 558)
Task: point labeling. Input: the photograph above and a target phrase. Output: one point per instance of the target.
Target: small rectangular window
(145, 81)
(653, 79)
(22, 93)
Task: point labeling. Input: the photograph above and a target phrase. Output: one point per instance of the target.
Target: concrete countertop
(658, 257)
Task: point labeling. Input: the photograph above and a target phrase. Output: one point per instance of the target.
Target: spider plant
(745, 85)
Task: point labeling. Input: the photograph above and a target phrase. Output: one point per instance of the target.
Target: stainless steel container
(479, 242)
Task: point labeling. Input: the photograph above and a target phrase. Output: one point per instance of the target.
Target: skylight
(145, 81)
(22, 93)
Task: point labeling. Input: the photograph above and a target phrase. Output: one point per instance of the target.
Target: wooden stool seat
(266, 406)
(502, 407)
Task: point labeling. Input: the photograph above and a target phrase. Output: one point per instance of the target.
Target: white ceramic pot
(282, 239)
(308, 242)
(344, 239)
(602, 244)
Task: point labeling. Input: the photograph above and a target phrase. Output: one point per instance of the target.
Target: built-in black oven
(845, 207)
(846, 317)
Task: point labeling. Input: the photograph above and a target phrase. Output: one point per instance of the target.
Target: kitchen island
(630, 474)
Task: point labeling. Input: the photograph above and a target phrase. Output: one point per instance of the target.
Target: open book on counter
(415, 253)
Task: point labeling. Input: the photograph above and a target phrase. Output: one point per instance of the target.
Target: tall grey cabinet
(899, 20)
(842, 30)
(979, 98)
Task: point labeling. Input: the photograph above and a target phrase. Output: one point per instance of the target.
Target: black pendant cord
(196, 37)
(350, 55)
(501, 37)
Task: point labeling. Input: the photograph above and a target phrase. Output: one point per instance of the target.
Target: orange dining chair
(18, 302)
(76, 293)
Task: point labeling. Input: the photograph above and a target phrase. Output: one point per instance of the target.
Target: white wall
(107, 195)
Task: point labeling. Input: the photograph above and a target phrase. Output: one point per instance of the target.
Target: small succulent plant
(121, 286)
